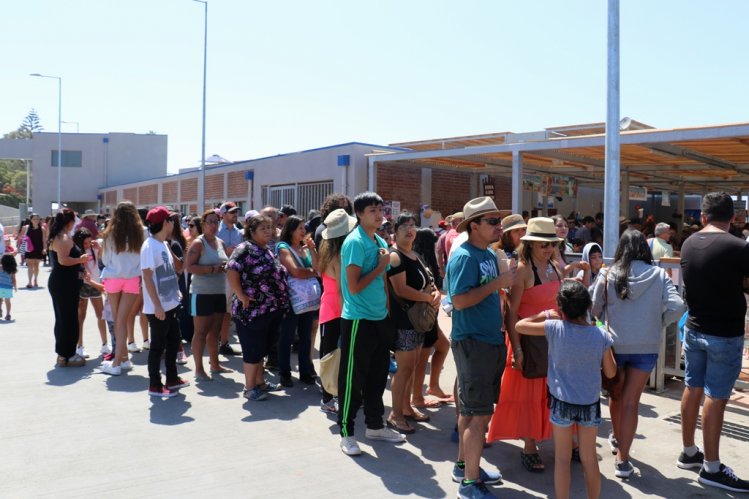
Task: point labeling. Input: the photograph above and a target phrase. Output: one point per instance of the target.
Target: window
(303, 197)
(69, 158)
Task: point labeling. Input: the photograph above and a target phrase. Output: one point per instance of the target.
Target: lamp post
(201, 174)
(59, 134)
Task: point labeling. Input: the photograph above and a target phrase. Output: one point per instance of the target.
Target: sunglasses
(546, 245)
(492, 221)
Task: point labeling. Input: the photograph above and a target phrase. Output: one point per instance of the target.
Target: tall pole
(611, 193)
(59, 134)
(201, 175)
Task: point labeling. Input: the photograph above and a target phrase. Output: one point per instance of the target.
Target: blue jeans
(712, 362)
(302, 324)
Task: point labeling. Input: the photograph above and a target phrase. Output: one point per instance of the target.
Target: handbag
(421, 315)
(304, 294)
(329, 367)
(29, 245)
(535, 356)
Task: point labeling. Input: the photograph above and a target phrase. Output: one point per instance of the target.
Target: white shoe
(108, 368)
(146, 345)
(81, 350)
(105, 350)
(385, 434)
(126, 365)
(350, 447)
(132, 347)
(181, 358)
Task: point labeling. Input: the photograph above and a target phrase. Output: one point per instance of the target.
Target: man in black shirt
(714, 265)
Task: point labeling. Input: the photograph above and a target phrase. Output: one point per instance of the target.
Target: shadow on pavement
(170, 412)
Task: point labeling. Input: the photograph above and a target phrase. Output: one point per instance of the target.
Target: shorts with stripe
(204, 305)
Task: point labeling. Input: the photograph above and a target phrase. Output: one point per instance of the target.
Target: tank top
(330, 304)
(210, 284)
(71, 275)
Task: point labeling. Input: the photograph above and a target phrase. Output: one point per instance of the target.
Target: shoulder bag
(608, 384)
(421, 315)
(536, 351)
(304, 294)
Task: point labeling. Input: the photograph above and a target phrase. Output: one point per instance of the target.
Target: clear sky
(293, 75)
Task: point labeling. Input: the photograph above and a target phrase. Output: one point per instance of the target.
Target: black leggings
(65, 299)
(165, 338)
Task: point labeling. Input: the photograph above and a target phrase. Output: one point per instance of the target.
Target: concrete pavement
(74, 432)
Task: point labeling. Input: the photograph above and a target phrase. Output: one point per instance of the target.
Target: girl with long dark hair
(38, 237)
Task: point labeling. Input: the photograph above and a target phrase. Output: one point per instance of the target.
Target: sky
(294, 75)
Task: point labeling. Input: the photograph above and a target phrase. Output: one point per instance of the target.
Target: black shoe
(286, 381)
(725, 478)
(226, 349)
(308, 380)
(688, 462)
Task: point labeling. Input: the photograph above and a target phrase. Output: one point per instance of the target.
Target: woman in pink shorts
(122, 240)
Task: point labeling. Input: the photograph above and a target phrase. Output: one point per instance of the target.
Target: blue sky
(286, 76)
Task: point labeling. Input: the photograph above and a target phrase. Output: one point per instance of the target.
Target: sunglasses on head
(546, 244)
(492, 221)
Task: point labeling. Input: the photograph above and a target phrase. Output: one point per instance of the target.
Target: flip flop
(418, 417)
(221, 370)
(532, 462)
(406, 430)
(430, 403)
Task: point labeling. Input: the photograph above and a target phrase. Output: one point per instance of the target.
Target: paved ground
(77, 433)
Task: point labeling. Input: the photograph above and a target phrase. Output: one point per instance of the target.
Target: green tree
(28, 126)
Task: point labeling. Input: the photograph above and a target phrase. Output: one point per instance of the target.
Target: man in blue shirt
(231, 236)
(478, 345)
(366, 332)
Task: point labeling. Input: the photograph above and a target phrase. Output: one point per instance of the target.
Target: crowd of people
(535, 336)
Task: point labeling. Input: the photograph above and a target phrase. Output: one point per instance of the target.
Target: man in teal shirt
(478, 346)
(366, 333)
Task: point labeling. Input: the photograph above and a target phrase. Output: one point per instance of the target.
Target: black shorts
(480, 366)
(430, 338)
(204, 305)
(257, 335)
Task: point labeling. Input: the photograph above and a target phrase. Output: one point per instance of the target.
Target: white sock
(711, 466)
(691, 451)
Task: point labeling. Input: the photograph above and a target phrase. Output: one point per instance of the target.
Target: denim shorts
(565, 415)
(712, 362)
(640, 361)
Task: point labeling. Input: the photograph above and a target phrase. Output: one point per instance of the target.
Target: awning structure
(696, 159)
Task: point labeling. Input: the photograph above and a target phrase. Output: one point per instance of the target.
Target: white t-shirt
(155, 255)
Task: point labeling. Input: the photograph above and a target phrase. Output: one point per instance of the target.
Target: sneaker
(132, 347)
(105, 350)
(350, 447)
(330, 407)
(146, 344)
(7, 317)
(81, 350)
(687, 462)
(487, 477)
(623, 469)
(613, 443)
(181, 358)
(308, 380)
(286, 381)
(724, 478)
(385, 434)
(474, 490)
(267, 386)
(177, 384)
(108, 368)
(161, 391)
(109, 356)
(255, 394)
(76, 361)
(126, 365)
(226, 349)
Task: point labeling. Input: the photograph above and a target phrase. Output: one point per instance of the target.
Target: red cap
(157, 215)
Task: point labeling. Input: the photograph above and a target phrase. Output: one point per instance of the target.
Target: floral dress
(262, 278)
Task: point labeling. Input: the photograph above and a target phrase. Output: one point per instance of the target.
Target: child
(593, 254)
(90, 292)
(7, 282)
(577, 352)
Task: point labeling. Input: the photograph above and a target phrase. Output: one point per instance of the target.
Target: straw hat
(512, 222)
(338, 223)
(476, 208)
(541, 229)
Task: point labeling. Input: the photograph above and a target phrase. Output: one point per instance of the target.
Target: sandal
(417, 416)
(532, 462)
(404, 428)
(429, 403)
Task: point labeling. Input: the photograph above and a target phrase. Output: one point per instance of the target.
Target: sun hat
(89, 213)
(250, 213)
(475, 208)
(541, 229)
(512, 222)
(338, 223)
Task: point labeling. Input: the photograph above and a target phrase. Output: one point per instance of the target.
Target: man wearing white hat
(478, 344)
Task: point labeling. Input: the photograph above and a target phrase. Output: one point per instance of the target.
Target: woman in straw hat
(522, 412)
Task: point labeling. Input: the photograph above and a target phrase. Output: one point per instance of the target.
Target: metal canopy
(700, 158)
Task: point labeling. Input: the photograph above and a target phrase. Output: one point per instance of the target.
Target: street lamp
(201, 174)
(73, 123)
(59, 134)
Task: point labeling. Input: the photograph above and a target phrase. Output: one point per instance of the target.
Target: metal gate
(303, 197)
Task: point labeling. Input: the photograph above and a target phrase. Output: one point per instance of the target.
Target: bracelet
(548, 315)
